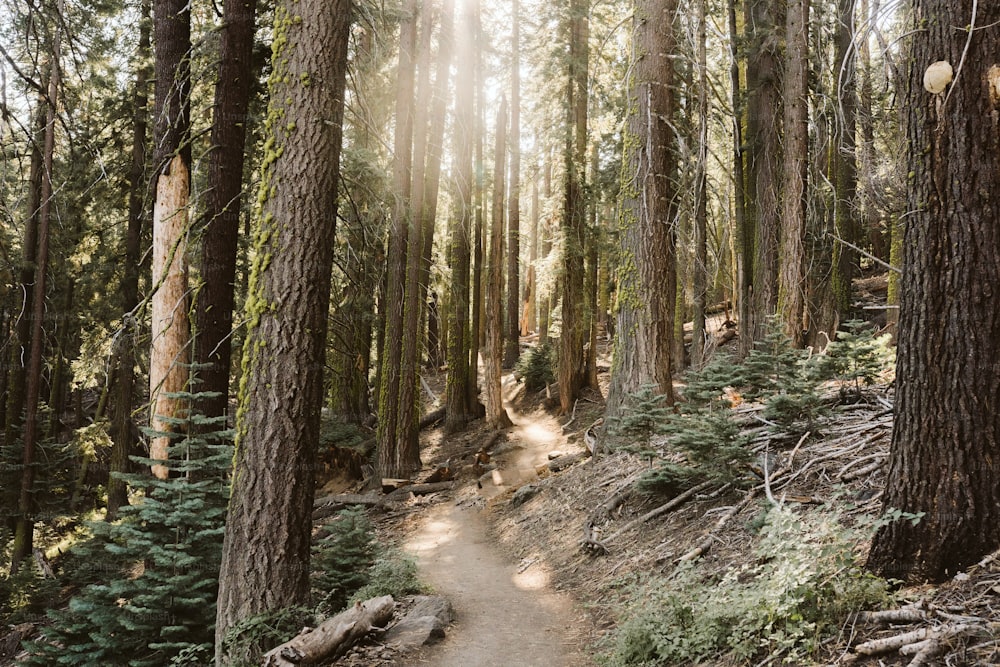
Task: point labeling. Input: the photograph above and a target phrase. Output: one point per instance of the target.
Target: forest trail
(505, 615)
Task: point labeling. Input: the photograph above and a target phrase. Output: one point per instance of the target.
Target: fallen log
(334, 635)
(563, 462)
(433, 417)
(330, 505)
(676, 501)
(419, 490)
(706, 543)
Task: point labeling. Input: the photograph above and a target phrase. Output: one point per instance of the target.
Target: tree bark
(845, 258)
(744, 226)
(764, 147)
(529, 318)
(169, 356)
(512, 347)
(944, 459)
(792, 275)
(496, 415)
(700, 268)
(647, 277)
(571, 357)
(223, 199)
(396, 459)
(459, 338)
(281, 387)
(24, 534)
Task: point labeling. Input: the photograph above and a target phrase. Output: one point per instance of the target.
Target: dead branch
(329, 505)
(563, 462)
(706, 543)
(334, 635)
(603, 511)
(433, 417)
(590, 542)
(893, 616)
(662, 509)
(419, 490)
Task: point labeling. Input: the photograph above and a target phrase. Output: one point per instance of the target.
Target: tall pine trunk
(944, 461)
(24, 534)
(700, 268)
(792, 275)
(223, 198)
(646, 275)
(496, 415)
(281, 387)
(393, 460)
(512, 349)
(170, 353)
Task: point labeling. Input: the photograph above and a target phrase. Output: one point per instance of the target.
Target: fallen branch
(419, 490)
(433, 417)
(589, 542)
(893, 616)
(572, 417)
(676, 501)
(914, 637)
(567, 460)
(706, 543)
(334, 635)
(330, 505)
(603, 511)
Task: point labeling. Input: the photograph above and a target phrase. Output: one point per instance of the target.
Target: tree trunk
(496, 415)
(700, 268)
(24, 534)
(529, 319)
(123, 431)
(571, 358)
(944, 459)
(647, 277)
(407, 457)
(223, 197)
(512, 346)
(393, 460)
(545, 299)
(169, 356)
(479, 199)
(792, 277)
(764, 109)
(459, 413)
(744, 226)
(845, 258)
(281, 388)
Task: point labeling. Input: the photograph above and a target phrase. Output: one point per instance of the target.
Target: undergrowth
(804, 580)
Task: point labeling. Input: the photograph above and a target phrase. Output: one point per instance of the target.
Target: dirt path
(505, 617)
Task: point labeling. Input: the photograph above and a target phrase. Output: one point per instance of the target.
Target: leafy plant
(249, 639)
(644, 414)
(392, 573)
(806, 578)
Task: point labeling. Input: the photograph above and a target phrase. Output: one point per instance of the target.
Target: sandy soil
(506, 614)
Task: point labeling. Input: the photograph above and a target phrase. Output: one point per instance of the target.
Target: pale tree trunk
(496, 415)
(24, 533)
(944, 460)
(590, 281)
(792, 275)
(459, 337)
(700, 268)
(647, 276)
(281, 390)
(169, 355)
(512, 348)
(392, 462)
(571, 357)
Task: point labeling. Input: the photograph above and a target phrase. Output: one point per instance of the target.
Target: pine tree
(155, 571)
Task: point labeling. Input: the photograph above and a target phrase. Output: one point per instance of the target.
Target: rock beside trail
(425, 623)
(524, 494)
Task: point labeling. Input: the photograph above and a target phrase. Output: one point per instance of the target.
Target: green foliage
(25, 595)
(392, 573)
(156, 568)
(248, 640)
(537, 367)
(857, 358)
(342, 559)
(806, 578)
(643, 415)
